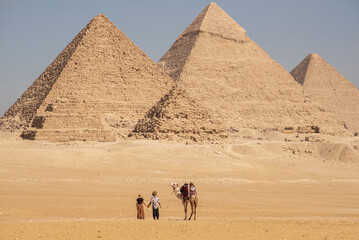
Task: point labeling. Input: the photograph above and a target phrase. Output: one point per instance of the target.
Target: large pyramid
(96, 89)
(231, 78)
(330, 88)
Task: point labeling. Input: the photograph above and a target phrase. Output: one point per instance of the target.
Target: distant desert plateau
(257, 187)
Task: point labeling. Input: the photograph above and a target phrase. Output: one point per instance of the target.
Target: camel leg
(191, 210)
(194, 211)
(195, 207)
(194, 202)
(185, 209)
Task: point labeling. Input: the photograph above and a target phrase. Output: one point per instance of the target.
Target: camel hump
(192, 189)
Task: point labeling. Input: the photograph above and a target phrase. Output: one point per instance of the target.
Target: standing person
(139, 206)
(155, 201)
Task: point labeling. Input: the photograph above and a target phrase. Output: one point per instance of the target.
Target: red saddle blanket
(188, 190)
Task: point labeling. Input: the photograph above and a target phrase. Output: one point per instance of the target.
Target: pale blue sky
(33, 33)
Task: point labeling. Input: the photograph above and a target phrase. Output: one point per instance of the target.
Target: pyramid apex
(314, 55)
(212, 4)
(100, 19)
(213, 19)
(100, 16)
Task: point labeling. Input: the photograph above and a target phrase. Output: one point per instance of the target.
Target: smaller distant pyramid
(330, 88)
(178, 117)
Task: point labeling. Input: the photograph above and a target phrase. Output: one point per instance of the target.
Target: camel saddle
(188, 190)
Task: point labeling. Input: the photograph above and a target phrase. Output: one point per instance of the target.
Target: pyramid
(178, 117)
(95, 90)
(237, 82)
(330, 88)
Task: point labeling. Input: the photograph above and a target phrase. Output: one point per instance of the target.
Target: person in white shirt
(155, 201)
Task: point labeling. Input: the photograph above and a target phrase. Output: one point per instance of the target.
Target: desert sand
(257, 187)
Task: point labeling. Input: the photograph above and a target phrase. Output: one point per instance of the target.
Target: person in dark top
(139, 207)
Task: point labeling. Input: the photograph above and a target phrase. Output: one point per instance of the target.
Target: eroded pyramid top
(214, 20)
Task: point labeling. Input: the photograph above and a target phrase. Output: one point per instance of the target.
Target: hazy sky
(33, 33)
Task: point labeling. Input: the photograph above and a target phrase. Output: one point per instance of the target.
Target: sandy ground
(248, 189)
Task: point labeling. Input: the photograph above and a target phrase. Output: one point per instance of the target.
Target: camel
(193, 200)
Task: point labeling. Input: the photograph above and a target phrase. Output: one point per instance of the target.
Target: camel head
(176, 190)
(174, 186)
